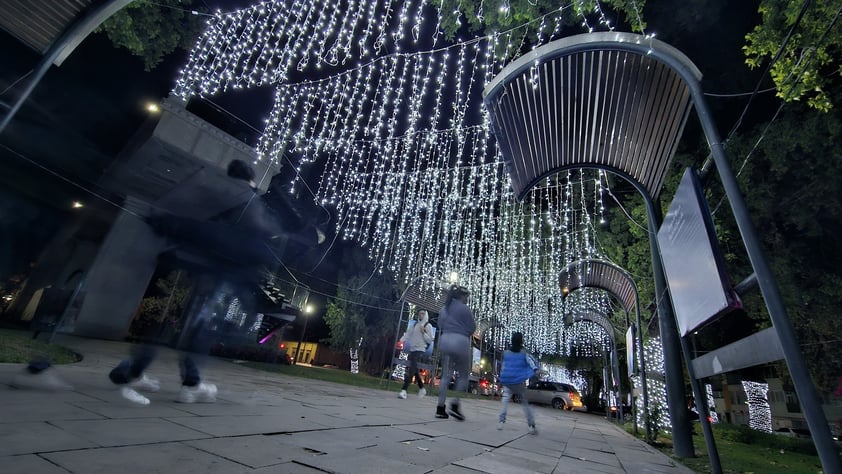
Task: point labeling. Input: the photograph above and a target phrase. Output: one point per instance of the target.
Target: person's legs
(411, 369)
(457, 349)
(129, 374)
(418, 355)
(133, 368)
(520, 390)
(446, 372)
(506, 398)
(197, 346)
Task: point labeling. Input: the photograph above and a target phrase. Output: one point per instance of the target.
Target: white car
(559, 395)
(793, 432)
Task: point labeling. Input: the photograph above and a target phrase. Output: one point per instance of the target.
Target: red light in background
(282, 346)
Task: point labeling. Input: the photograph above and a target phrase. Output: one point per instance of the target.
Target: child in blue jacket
(518, 367)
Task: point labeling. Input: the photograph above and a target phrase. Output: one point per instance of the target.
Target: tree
(481, 16)
(791, 183)
(153, 29)
(803, 39)
(364, 308)
(161, 314)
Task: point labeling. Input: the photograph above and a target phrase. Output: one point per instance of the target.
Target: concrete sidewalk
(266, 422)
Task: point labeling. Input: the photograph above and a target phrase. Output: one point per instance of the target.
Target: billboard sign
(693, 263)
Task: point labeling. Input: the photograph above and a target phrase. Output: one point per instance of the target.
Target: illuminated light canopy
(391, 117)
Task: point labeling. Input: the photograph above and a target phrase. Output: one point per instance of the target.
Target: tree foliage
(808, 62)
(162, 311)
(479, 16)
(792, 185)
(153, 29)
(365, 308)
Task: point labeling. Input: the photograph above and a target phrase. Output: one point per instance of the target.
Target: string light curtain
(759, 411)
(369, 98)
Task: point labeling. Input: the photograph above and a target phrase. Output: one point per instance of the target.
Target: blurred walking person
(457, 325)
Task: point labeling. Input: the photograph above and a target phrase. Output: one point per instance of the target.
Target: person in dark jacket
(457, 325)
(518, 367)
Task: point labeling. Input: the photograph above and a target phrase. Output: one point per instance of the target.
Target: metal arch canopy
(425, 293)
(597, 318)
(41, 23)
(605, 100)
(594, 273)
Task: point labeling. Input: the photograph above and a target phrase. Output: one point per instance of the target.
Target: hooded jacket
(419, 336)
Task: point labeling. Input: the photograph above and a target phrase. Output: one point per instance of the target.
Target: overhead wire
(778, 54)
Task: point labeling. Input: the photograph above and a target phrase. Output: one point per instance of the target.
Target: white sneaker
(422, 392)
(202, 393)
(402, 394)
(500, 425)
(146, 384)
(533, 430)
(131, 395)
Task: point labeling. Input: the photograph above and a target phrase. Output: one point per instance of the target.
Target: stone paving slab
(123, 410)
(27, 411)
(291, 467)
(428, 452)
(124, 432)
(160, 457)
(568, 465)
(361, 462)
(253, 451)
(29, 464)
(38, 437)
(222, 426)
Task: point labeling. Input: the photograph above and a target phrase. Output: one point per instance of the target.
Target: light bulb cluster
(714, 416)
(557, 373)
(400, 369)
(408, 161)
(653, 353)
(759, 411)
(354, 353)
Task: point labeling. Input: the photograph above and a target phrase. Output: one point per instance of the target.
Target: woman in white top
(415, 342)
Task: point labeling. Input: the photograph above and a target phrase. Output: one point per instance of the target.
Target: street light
(308, 309)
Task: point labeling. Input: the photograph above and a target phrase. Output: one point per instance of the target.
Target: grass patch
(743, 450)
(325, 374)
(357, 380)
(18, 347)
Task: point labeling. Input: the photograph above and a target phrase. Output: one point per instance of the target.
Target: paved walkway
(266, 422)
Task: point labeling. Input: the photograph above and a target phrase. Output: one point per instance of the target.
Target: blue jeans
(520, 391)
(197, 345)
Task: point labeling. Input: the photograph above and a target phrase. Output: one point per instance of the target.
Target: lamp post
(308, 309)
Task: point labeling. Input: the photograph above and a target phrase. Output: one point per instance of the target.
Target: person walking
(130, 374)
(415, 342)
(518, 367)
(457, 325)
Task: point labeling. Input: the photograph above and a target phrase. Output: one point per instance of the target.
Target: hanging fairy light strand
(407, 161)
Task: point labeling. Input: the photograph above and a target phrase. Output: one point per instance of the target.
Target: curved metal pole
(804, 388)
(670, 340)
(62, 46)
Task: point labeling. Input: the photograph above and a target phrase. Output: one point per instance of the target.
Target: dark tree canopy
(153, 29)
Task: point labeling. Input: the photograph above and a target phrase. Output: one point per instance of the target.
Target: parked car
(559, 395)
(793, 432)
(489, 388)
